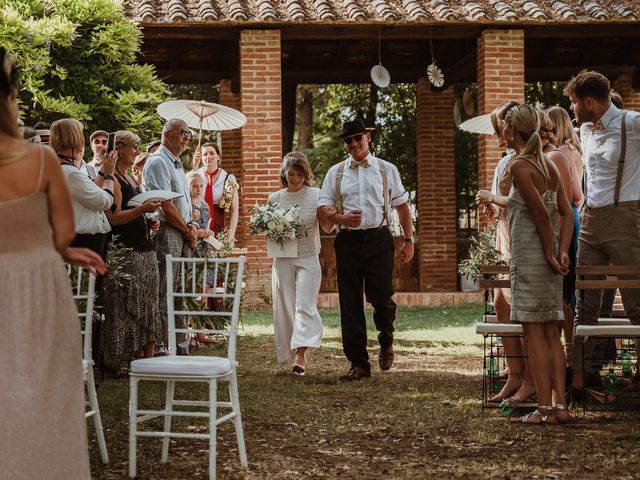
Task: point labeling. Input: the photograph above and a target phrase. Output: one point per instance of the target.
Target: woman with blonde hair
(562, 147)
(44, 433)
(89, 199)
(519, 385)
(540, 228)
(132, 316)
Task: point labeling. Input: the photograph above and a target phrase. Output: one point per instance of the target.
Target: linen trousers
(295, 289)
(608, 235)
(169, 241)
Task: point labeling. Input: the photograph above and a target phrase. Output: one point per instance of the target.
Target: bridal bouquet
(278, 224)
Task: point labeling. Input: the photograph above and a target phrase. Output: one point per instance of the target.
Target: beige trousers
(608, 235)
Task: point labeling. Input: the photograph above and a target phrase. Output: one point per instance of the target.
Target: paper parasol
(202, 115)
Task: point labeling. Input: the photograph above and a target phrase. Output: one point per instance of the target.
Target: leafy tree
(391, 111)
(78, 59)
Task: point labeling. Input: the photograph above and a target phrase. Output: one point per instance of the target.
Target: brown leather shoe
(355, 374)
(385, 358)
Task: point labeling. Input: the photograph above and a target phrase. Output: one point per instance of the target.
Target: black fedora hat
(353, 127)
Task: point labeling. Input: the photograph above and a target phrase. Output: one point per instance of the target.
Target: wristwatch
(409, 240)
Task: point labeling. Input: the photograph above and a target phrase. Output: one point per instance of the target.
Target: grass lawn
(422, 419)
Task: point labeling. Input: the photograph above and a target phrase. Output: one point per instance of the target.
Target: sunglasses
(184, 133)
(357, 138)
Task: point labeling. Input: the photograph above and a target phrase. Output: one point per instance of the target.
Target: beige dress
(42, 425)
(536, 290)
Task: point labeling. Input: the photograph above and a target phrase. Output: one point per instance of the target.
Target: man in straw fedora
(357, 196)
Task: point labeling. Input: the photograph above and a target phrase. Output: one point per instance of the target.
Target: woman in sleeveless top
(539, 244)
(132, 315)
(568, 144)
(41, 393)
(296, 281)
(220, 190)
(519, 385)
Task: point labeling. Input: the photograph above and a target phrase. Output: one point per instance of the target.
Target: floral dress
(203, 248)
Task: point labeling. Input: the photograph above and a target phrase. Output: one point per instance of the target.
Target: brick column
(261, 148)
(630, 97)
(437, 215)
(500, 79)
(231, 145)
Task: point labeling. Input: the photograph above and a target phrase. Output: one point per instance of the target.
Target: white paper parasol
(202, 115)
(480, 124)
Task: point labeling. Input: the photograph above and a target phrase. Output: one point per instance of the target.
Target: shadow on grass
(420, 420)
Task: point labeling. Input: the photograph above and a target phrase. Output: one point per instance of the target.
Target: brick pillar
(500, 79)
(231, 145)
(630, 97)
(261, 148)
(437, 216)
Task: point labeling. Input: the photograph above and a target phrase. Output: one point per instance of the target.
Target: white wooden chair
(228, 274)
(83, 285)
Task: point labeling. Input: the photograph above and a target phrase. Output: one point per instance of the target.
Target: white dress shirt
(361, 189)
(89, 201)
(164, 171)
(601, 153)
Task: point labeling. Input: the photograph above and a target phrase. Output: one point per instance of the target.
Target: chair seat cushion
(182, 365)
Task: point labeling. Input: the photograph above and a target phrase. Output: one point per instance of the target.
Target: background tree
(391, 111)
(78, 59)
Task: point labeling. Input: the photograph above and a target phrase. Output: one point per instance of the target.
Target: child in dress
(200, 215)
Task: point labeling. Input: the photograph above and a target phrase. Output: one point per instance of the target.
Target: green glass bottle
(610, 386)
(625, 363)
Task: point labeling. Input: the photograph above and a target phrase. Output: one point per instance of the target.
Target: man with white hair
(176, 235)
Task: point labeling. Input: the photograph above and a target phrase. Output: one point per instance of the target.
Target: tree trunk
(305, 117)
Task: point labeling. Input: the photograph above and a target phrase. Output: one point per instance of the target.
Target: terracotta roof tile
(475, 10)
(385, 10)
(329, 11)
(295, 10)
(236, 11)
(206, 10)
(564, 10)
(414, 10)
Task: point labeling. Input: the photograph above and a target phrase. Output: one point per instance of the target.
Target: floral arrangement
(226, 199)
(278, 224)
(482, 252)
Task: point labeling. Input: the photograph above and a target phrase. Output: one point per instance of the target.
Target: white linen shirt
(89, 201)
(163, 171)
(361, 189)
(601, 153)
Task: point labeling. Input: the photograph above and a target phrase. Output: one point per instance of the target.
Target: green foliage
(77, 59)
(466, 148)
(392, 111)
(547, 94)
(482, 253)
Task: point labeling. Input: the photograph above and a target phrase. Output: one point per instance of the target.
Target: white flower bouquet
(278, 224)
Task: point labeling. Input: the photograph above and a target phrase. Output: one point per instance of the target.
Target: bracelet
(409, 240)
(108, 177)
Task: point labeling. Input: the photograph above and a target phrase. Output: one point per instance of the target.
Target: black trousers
(364, 263)
(99, 243)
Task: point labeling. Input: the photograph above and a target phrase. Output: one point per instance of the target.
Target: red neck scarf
(208, 194)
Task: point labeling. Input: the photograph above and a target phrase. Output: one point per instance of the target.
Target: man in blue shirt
(176, 235)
